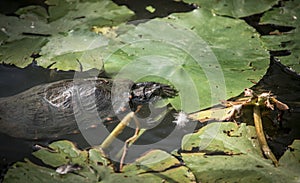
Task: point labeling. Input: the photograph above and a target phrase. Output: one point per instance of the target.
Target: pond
(279, 79)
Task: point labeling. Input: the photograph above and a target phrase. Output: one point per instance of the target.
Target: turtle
(54, 109)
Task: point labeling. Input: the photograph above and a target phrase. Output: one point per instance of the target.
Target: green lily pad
(74, 38)
(235, 8)
(228, 138)
(60, 153)
(65, 50)
(155, 160)
(67, 30)
(164, 167)
(176, 174)
(20, 52)
(227, 153)
(287, 15)
(155, 166)
(29, 172)
(33, 10)
(87, 12)
(197, 52)
(16, 28)
(291, 160)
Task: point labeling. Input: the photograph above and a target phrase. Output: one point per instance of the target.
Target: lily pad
(20, 52)
(66, 50)
(199, 53)
(155, 166)
(287, 15)
(60, 153)
(29, 172)
(235, 8)
(66, 29)
(155, 160)
(163, 166)
(228, 153)
(227, 138)
(26, 26)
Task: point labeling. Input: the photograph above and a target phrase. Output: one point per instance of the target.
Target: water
(282, 82)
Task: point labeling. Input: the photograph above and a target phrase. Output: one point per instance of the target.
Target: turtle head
(146, 92)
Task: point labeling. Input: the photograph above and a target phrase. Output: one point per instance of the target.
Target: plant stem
(117, 130)
(261, 136)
